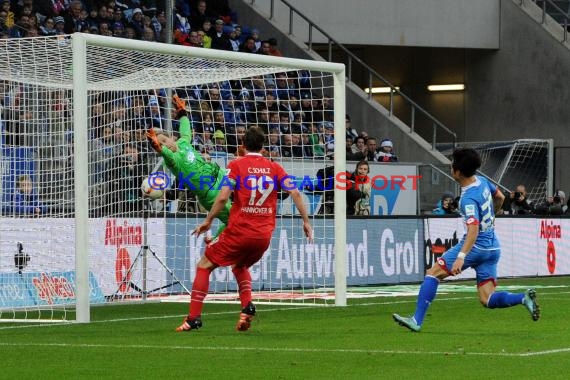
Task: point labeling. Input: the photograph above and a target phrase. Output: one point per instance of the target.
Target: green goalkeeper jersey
(202, 178)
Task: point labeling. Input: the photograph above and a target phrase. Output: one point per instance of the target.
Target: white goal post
(95, 77)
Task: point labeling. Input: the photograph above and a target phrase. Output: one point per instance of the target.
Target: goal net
(75, 230)
(526, 162)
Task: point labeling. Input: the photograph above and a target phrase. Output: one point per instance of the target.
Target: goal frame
(80, 88)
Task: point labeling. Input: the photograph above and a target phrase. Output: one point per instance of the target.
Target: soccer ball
(152, 187)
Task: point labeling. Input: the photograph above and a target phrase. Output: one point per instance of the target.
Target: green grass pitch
(460, 340)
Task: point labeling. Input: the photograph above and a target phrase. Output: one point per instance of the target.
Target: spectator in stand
(371, 149)
(137, 22)
(200, 38)
(3, 27)
(154, 112)
(118, 29)
(20, 28)
(32, 32)
(181, 24)
(59, 25)
(234, 39)
(220, 142)
(274, 122)
(72, 17)
(350, 132)
(248, 46)
(193, 39)
(8, 16)
(446, 205)
(26, 200)
(360, 146)
(48, 27)
(386, 153)
(316, 139)
(83, 24)
(273, 147)
(93, 18)
(328, 138)
(104, 29)
(306, 145)
(214, 98)
(273, 50)
(203, 139)
(362, 190)
(352, 154)
(205, 32)
(286, 145)
(235, 140)
(554, 205)
(265, 48)
(220, 40)
(148, 35)
(328, 108)
(239, 33)
(255, 35)
(307, 106)
(199, 14)
(517, 203)
(158, 23)
(297, 147)
(130, 33)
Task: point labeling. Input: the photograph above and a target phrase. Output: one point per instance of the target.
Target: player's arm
(166, 153)
(468, 243)
(472, 221)
(185, 129)
(182, 116)
(219, 204)
(297, 198)
(498, 199)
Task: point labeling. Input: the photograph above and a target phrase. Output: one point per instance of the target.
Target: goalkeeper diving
(202, 178)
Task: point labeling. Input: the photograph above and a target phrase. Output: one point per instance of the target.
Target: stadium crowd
(297, 119)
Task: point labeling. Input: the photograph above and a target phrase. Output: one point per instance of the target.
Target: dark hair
(466, 160)
(360, 163)
(254, 139)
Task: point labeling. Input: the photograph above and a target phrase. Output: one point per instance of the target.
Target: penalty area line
(288, 349)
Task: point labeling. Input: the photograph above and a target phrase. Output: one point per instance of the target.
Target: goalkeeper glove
(153, 139)
(180, 106)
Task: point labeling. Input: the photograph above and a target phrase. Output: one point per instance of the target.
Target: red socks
(199, 292)
(243, 278)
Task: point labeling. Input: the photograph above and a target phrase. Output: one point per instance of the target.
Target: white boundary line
(288, 349)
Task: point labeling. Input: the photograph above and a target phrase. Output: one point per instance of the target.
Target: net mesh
(141, 248)
(520, 162)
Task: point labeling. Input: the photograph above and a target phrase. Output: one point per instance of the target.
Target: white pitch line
(287, 349)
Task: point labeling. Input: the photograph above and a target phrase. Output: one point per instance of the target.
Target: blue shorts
(483, 261)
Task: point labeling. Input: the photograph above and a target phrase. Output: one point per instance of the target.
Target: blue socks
(504, 299)
(425, 297)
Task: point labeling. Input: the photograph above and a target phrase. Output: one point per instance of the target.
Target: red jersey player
(250, 226)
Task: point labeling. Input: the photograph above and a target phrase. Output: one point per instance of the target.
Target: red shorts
(233, 249)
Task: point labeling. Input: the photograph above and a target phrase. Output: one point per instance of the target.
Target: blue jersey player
(478, 249)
